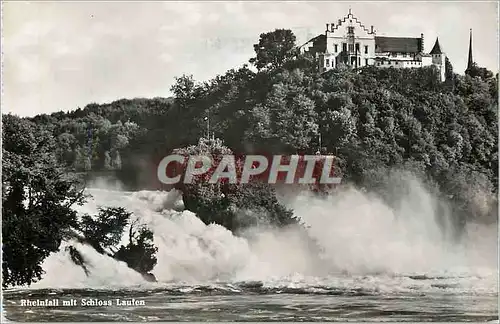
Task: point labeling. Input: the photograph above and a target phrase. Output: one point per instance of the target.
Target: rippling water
(254, 302)
(379, 264)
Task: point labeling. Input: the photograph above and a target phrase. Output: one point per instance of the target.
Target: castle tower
(438, 59)
(470, 61)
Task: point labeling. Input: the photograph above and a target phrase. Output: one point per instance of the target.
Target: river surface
(441, 301)
(379, 264)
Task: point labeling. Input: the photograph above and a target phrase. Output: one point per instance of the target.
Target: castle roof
(317, 44)
(385, 44)
(436, 49)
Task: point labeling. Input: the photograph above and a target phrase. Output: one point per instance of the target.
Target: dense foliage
(37, 197)
(38, 194)
(236, 206)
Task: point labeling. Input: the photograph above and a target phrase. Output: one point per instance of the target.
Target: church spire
(470, 62)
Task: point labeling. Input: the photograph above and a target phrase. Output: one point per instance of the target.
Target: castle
(349, 42)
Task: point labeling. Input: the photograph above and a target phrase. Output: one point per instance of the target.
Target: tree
(37, 200)
(448, 72)
(117, 161)
(82, 159)
(140, 252)
(448, 68)
(477, 71)
(184, 90)
(106, 229)
(107, 161)
(274, 49)
(66, 142)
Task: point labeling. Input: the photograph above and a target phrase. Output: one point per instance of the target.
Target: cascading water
(368, 248)
(360, 235)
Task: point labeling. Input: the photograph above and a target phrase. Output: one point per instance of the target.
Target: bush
(105, 232)
(139, 254)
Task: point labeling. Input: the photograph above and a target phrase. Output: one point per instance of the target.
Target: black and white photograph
(249, 161)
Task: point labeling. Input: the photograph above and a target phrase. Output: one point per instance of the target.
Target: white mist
(366, 243)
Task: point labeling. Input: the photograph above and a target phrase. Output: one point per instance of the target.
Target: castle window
(366, 49)
(351, 48)
(350, 30)
(344, 47)
(404, 54)
(357, 47)
(359, 61)
(336, 48)
(366, 61)
(327, 63)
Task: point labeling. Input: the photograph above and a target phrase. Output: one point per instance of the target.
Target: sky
(64, 55)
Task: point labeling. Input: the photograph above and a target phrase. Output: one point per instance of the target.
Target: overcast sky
(64, 55)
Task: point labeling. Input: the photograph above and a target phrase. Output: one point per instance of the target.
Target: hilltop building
(349, 42)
